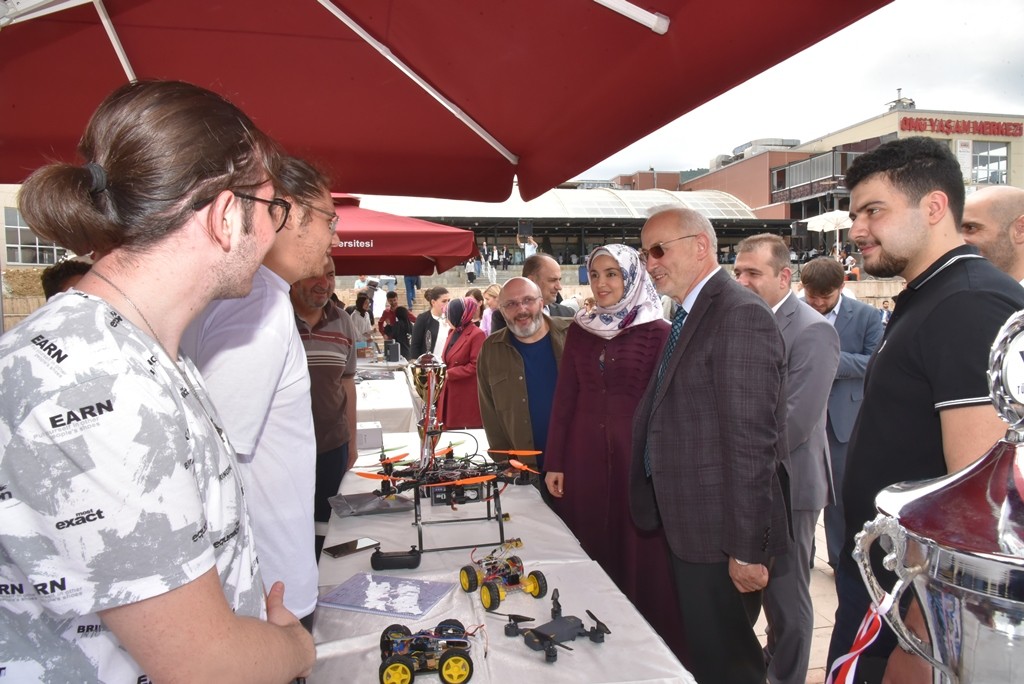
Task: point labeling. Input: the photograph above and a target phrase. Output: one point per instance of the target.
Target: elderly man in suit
(860, 331)
(709, 447)
(812, 356)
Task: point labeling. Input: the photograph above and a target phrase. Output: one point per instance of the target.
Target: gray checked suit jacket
(860, 332)
(716, 433)
(812, 355)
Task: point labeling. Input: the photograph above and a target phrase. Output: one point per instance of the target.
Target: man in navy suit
(812, 355)
(860, 331)
(709, 447)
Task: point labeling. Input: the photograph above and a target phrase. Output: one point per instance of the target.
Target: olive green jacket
(501, 386)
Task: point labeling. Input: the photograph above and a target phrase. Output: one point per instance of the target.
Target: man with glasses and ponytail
(517, 371)
(126, 549)
(250, 353)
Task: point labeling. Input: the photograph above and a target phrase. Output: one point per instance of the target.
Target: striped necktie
(670, 346)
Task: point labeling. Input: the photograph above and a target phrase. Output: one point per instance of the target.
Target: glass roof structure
(568, 205)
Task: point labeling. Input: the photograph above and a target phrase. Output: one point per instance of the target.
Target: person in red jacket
(458, 406)
(387, 316)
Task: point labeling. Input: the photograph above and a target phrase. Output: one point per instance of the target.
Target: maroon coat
(590, 441)
(459, 406)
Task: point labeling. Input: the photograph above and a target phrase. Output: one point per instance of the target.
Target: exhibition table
(349, 642)
(386, 397)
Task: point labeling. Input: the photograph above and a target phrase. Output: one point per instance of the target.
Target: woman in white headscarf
(610, 354)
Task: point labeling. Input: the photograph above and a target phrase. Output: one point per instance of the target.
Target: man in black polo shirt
(926, 407)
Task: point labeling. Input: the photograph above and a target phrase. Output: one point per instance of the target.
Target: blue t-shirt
(541, 371)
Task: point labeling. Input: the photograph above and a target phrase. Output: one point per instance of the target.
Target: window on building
(23, 246)
(989, 162)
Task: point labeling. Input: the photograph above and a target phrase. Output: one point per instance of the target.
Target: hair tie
(99, 178)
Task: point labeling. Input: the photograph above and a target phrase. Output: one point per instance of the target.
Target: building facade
(808, 179)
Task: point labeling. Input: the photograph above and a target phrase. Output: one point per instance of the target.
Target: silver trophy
(957, 540)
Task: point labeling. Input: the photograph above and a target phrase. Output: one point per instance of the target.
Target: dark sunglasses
(658, 250)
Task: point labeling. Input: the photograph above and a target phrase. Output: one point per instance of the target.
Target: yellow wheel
(490, 596)
(536, 584)
(397, 670)
(468, 579)
(455, 666)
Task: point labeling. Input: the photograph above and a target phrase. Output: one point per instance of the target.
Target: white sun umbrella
(830, 221)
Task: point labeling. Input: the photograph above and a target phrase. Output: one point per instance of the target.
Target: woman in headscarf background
(609, 357)
(458, 406)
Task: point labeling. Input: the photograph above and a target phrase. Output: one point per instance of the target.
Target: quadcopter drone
(461, 479)
(552, 635)
(445, 470)
(499, 572)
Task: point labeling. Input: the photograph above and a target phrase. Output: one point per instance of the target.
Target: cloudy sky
(950, 55)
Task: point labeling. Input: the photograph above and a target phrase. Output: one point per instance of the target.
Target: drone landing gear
(492, 493)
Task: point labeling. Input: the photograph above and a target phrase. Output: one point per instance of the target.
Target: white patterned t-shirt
(115, 486)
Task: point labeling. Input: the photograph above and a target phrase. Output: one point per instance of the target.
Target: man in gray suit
(709, 447)
(860, 331)
(812, 356)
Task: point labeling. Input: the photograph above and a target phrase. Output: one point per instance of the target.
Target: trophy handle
(885, 526)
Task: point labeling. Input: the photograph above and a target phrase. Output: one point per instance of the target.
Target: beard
(886, 265)
(527, 328)
(1000, 252)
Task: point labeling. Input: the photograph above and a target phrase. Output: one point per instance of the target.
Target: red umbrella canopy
(443, 98)
(375, 242)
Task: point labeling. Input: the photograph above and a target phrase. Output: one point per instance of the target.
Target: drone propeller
(382, 450)
(556, 606)
(519, 465)
(464, 481)
(444, 452)
(512, 617)
(598, 625)
(393, 459)
(515, 452)
(381, 476)
(547, 640)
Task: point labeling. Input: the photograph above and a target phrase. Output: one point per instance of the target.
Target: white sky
(951, 55)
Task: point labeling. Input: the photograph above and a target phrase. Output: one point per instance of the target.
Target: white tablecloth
(389, 402)
(631, 653)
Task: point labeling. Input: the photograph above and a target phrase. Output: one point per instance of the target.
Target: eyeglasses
(514, 304)
(332, 222)
(658, 250)
(277, 207)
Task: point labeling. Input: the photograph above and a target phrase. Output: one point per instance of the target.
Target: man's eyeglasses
(277, 207)
(332, 218)
(514, 304)
(658, 250)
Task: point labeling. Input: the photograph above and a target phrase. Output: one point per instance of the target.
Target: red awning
(443, 98)
(375, 242)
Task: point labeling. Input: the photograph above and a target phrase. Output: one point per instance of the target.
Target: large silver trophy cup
(428, 376)
(958, 541)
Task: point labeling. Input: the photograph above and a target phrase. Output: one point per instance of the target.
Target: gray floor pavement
(823, 596)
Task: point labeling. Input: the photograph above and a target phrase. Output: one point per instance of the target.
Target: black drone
(552, 635)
